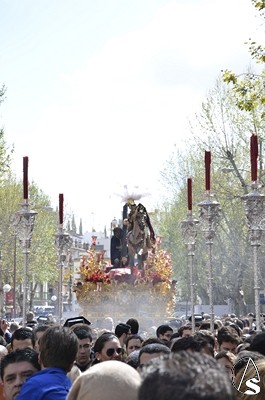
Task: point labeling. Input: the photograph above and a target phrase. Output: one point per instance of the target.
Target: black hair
(154, 348)
(258, 343)
(134, 324)
(102, 339)
(133, 359)
(122, 328)
(23, 334)
(162, 329)
(19, 355)
(83, 332)
(100, 342)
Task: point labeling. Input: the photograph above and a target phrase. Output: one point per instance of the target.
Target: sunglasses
(110, 352)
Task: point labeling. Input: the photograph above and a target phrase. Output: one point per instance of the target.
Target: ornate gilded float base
(151, 305)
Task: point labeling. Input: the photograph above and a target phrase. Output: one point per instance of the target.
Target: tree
(248, 87)
(225, 130)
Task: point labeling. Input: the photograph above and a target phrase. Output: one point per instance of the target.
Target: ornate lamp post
(255, 215)
(209, 217)
(24, 220)
(189, 233)
(63, 243)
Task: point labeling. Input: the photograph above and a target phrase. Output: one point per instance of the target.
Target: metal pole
(15, 275)
(60, 294)
(256, 286)
(209, 216)
(255, 214)
(192, 298)
(63, 243)
(23, 221)
(25, 285)
(210, 269)
(189, 233)
(1, 287)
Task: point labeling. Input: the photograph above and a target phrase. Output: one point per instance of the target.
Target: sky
(100, 92)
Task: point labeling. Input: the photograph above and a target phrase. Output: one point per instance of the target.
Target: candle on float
(254, 152)
(61, 208)
(207, 160)
(25, 178)
(189, 182)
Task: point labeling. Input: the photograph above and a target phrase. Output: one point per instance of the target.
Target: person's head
(133, 359)
(134, 324)
(209, 337)
(133, 342)
(30, 316)
(16, 367)
(206, 325)
(244, 375)
(242, 359)
(31, 322)
(84, 336)
(13, 326)
(185, 376)
(164, 332)
(235, 327)
(122, 331)
(112, 380)
(226, 359)
(185, 330)
(227, 339)
(150, 351)
(117, 232)
(38, 333)
(22, 338)
(193, 343)
(107, 347)
(58, 348)
(258, 343)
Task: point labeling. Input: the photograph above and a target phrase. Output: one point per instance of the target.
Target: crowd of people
(82, 361)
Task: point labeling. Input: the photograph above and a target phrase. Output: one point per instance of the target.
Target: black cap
(76, 320)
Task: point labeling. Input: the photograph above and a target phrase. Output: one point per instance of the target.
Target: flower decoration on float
(157, 273)
(92, 267)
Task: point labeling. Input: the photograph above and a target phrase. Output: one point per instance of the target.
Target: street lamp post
(255, 215)
(209, 216)
(63, 243)
(15, 275)
(189, 233)
(24, 223)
